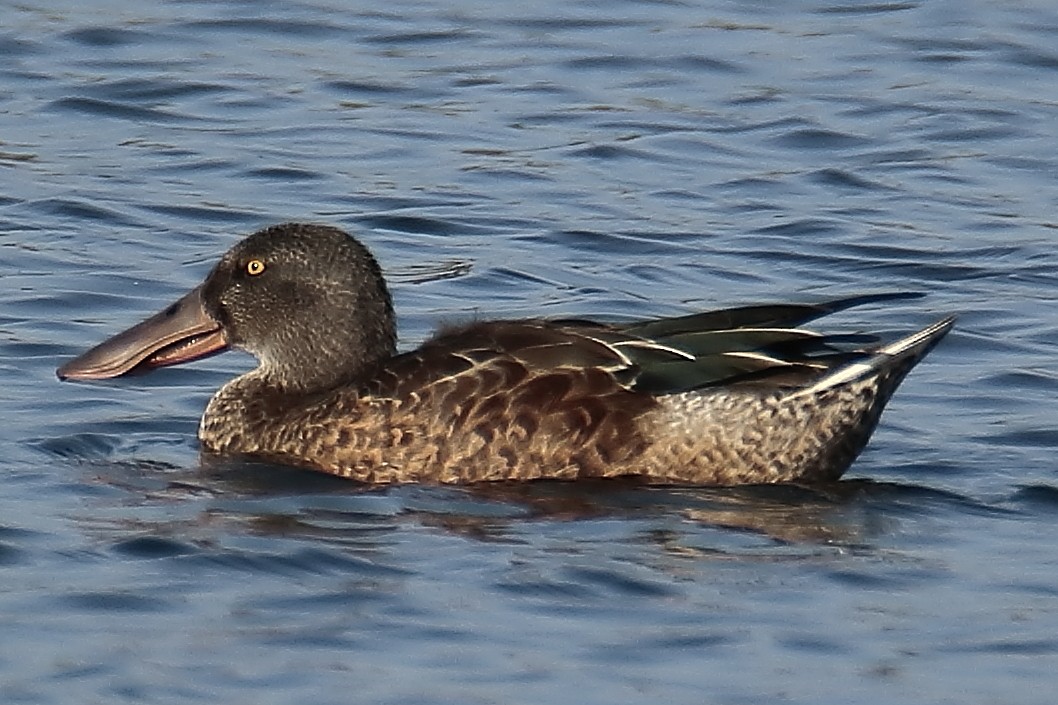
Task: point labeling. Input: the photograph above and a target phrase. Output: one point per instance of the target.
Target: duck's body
(524, 401)
(725, 397)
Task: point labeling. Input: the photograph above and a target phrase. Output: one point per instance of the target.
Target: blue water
(614, 159)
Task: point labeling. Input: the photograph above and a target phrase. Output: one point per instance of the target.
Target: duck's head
(308, 301)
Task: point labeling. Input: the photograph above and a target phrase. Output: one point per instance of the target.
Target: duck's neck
(251, 413)
(318, 361)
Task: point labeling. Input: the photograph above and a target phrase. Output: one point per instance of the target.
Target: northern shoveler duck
(741, 395)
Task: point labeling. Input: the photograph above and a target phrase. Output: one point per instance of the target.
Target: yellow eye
(255, 267)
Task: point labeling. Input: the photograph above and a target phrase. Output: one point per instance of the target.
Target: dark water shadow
(266, 499)
(849, 512)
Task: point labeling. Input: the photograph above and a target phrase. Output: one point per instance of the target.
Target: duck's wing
(487, 357)
(762, 316)
(746, 345)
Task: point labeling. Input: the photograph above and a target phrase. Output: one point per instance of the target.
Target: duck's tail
(892, 361)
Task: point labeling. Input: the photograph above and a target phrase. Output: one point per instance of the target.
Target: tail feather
(898, 356)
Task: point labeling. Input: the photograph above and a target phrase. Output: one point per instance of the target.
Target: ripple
(1007, 647)
(155, 89)
(369, 88)
(609, 151)
(564, 23)
(205, 213)
(11, 555)
(845, 179)
(1032, 437)
(114, 109)
(260, 25)
(1037, 497)
(801, 228)
(617, 583)
(425, 273)
(17, 47)
(414, 224)
(869, 579)
(650, 647)
(101, 37)
(82, 446)
(283, 174)
(420, 38)
(82, 210)
(816, 138)
(152, 547)
(314, 561)
(113, 601)
(1033, 58)
(973, 134)
(627, 63)
(868, 8)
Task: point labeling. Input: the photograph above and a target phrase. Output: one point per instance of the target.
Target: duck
(742, 395)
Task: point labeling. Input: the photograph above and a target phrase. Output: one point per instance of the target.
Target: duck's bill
(181, 333)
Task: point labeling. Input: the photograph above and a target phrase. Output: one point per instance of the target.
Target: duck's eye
(255, 267)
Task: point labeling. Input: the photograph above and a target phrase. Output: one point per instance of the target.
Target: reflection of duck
(724, 397)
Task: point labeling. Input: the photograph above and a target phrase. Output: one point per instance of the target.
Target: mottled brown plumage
(724, 397)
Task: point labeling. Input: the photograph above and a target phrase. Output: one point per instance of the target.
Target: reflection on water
(238, 496)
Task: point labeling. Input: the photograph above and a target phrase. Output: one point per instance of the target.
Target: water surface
(618, 160)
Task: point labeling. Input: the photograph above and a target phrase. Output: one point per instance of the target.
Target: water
(613, 159)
